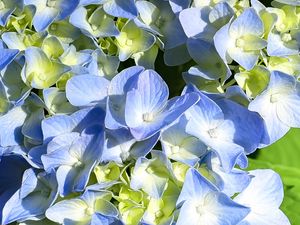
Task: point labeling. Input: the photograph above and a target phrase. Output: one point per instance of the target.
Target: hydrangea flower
(264, 202)
(145, 112)
(93, 207)
(46, 11)
(200, 201)
(241, 39)
(279, 99)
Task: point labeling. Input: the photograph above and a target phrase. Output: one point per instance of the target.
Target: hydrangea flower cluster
(90, 134)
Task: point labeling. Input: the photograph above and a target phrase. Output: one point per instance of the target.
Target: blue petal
(13, 122)
(87, 90)
(200, 27)
(66, 7)
(247, 23)
(56, 125)
(119, 86)
(6, 56)
(276, 47)
(42, 19)
(221, 41)
(249, 126)
(99, 218)
(264, 195)
(120, 8)
(172, 111)
(194, 186)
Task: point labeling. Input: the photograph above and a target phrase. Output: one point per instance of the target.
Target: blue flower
(7, 7)
(93, 207)
(241, 39)
(147, 108)
(207, 122)
(98, 24)
(278, 105)
(37, 192)
(263, 196)
(181, 146)
(48, 11)
(201, 202)
(121, 146)
(116, 8)
(75, 155)
(152, 175)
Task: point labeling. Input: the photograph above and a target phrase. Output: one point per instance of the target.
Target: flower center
(150, 170)
(129, 42)
(286, 37)
(159, 214)
(281, 27)
(53, 27)
(175, 149)
(89, 211)
(94, 27)
(200, 209)
(274, 98)
(148, 117)
(78, 164)
(212, 133)
(240, 43)
(51, 3)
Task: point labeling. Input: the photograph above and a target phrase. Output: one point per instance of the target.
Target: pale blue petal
(246, 59)
(249, 126)
(56, 158)
(100, 219)
(276, 47)
(222, 40)
(200, 27)
(120, 8)
(6, 56)
(13, 122)
(172, 111)
(42, 19)
(264, 195)
(247, 23)
(119, 86)
(195, 186)
(150, 96)
(87, 90)
(56, 125)
(72, 209)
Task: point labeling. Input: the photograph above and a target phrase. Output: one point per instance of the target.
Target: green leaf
(286, 151)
